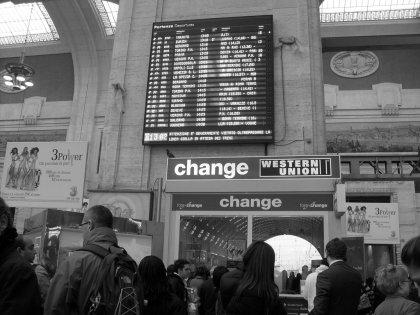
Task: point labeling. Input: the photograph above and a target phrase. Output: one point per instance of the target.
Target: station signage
(252, 202)
(246, 168)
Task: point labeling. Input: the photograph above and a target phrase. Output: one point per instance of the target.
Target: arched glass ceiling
(368, 10)
(15, 19)
(108, 13)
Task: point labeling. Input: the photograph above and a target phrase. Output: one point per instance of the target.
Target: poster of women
(378, 223)
(44, 174)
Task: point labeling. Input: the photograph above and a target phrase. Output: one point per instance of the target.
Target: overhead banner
(44, 174)
(243, 168)
(253, 202)
(378, 223)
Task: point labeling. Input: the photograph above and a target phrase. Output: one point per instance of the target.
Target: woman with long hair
(158, 300)
(257, 293)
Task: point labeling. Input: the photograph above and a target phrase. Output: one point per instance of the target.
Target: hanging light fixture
(18, 75)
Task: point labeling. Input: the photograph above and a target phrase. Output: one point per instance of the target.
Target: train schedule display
(210, 81)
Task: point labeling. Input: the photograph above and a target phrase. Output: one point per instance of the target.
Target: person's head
(25, 150)
(26, 248)
(218, 272)
(335, 249)
(410, 256)
(202, 271)
(349, 209)
(5, 216)
(299, 276)
(14, 151)
(393, 280)
(324, 262)
(152, 273)
(35, 151)
(96, 217)
(182, 267)
(259, 271)
(363, 209)
(305, 269)
(170, 269)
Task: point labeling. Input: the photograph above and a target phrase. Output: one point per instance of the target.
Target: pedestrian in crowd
(410, 256)
(158, 299)
(202, 273)
(27, 250)
(309, 291)
(19, 290)
(178, 278)
(305, 272)
(209, 293)
(229, 283)
(257, 293)
(296, 284)
(338, 288)
(290, 281)
(394, 282)
(75, 280)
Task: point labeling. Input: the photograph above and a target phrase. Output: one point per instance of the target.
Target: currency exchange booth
(220, 205)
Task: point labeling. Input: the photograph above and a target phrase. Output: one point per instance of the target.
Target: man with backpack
(98, 278)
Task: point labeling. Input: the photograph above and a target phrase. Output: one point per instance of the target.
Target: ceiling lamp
(18, 75)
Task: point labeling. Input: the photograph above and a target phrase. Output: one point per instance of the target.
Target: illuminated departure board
(210, 81)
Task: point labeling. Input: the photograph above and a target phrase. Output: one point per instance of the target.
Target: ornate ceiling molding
(354, 64)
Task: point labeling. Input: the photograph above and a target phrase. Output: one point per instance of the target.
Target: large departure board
(210, 81)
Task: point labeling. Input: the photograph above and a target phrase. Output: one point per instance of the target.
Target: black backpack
(115, 289)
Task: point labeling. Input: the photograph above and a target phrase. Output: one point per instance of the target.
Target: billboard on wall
(252, 202)
(44, 174)
(245, 168)
(378, 223)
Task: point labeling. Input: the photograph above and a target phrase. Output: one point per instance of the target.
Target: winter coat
(19, 290)
(177, 286)
(74, 282)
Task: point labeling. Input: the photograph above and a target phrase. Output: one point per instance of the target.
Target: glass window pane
(215, 240)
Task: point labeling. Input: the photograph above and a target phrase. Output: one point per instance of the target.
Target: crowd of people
(185, 289)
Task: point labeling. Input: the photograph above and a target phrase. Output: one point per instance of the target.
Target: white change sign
(378, 223)
(44, 174)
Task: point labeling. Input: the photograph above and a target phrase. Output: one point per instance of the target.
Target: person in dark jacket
(210, 292)
(229, 283)
(176, 279)
(74, 282)
(158, 300)
(338, 288)
(410, 256)
(19, 290)
(257, 293)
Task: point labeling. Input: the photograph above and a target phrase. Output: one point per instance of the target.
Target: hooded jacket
(74, 282)
(309, 291)
(19, 291)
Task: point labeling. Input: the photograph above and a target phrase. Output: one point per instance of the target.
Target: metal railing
(370, 15)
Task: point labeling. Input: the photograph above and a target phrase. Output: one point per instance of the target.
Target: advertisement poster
(44, 174)
(378, 223)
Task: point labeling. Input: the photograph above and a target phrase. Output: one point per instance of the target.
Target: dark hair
(101, 216)
(155, 284)
(20, 242)
(259, 272)
(324, 262)
(180, 263)
(33, 150)
(170, 269)
(218, 272)
(14, 150)
(336, 248)
(410, 254)
(202, 271)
